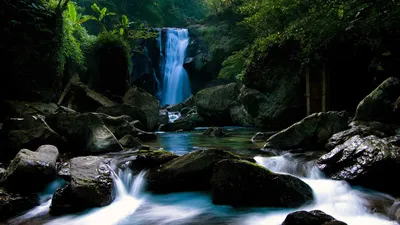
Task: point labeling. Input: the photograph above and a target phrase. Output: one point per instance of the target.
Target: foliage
(111, 39)
(232, 67)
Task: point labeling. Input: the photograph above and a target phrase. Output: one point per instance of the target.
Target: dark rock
(146, 102)
(213, 104)
(311, 132)
(178, 125)
(128, 141)
(119, 110)
(139, 125)
(29, 132)
(380, 104)
(175, 108)
(195, 118)
(119, 126)
(18, 109)
(262, 136)
(145, 147)
(215, 131)
(13, 204)
(314, 217)
(190, 172)
(362, 161)
(185, 111)
(240, 116)
(31, 171)
(143, 75)
(146, 159)
(163, 117)
(243, 184)
(85, 133)
(190, 102)
(91, 186)
(2, 173)
(64, 172)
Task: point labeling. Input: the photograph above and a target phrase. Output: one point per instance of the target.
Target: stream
(133, 205)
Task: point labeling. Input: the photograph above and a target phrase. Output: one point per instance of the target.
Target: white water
(175, 86)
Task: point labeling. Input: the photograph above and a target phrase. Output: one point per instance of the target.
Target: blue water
(175, 85)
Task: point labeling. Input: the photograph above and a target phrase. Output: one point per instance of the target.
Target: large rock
(128, 141)
(147, 159)
(91, 186)
(119, 110)
(29, 132)
(240, 116)
(85, 133)
(191, 172)
(195, 118)
(31, 171)
(19, 109)
(366, 161)
(13, 204)
(178, 125)
(146, 102)
(215, 132)
(311, 132)
(380, 104)
(314, 217)
(243, 184)
(214, 103)
(262, 136)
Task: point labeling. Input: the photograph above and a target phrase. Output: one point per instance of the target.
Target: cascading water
(175, 85)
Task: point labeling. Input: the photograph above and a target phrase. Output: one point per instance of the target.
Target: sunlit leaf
(72, 12)
(95, 8)
(121, 31)
(125, 20)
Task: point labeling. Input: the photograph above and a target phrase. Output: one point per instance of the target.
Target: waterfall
(175, 85)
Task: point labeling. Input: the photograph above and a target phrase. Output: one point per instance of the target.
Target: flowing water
(134, 206)
(175, 85)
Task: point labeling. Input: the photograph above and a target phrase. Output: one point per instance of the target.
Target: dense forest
(200, 112)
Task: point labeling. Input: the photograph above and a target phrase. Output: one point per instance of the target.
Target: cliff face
(30, 47)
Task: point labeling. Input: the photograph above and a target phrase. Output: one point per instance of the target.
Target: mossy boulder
(240, 116)
(91, 186)
(315, 217)
(149, 104)
(119, 110)
(28, 132)
(149, 159)
(380, 104)
(215, 132)
(213, 104)
(184, 125)
(30, 171)
(262, 136)
(128, 141)
(363, 161)
(311, 132)
(240, 183)
(190, 172)
(12, 204)
(20, 109)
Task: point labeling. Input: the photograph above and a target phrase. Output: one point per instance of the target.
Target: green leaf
(95, 8)
(102, 13)
(125, 21)
(111, 14)
(86, 18)
(72, 12)
(121, 31)
(341, 11)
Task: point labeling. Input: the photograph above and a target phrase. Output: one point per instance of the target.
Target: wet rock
(215, 132)
(178, 125)
(185, 111)
(128, 141)
(91, 186)
(190, 172)
(315, 217)
(363, 161)
(119, 126)
(175, 108)
(85, 133)
(380, 104)
(243, 184)
(64, 172)
(147, 159)
(394, 213)
(13, 204)
(31, 171)
(119, 110)
(163, 117)
(190, 102)
(240, 116)
(311, 132)
(213, 104)
(146, 102)
(139, 125)
(19, 109)
(195, 118)
(29, 132)
(2, 172)
(262, 136)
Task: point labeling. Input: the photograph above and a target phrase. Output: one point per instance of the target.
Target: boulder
(366, 161)
(185, 111)
(163, 117)
(119, 110)
(128, 141)
(85, 133)
(215, 132)
(29, 132)
(315, 217)
(311, 132)
(175, 108)
(146, 102)
(12, 204)
(178, 125)
(243, 184)
(195, 118)
(147, 159)
(190, 172)
(190, 102)
(240, 116)
(380, 104)
(31, 171)
(262, 136)
(91, 186)
(20, 109)
(213, 104)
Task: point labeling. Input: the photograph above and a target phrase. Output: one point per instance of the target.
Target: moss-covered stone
(18, 109)
(12, 204)
(244, 184)
(178, 125)
(119, 110)
(128, 141)
(148, 159)
(190, 172)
